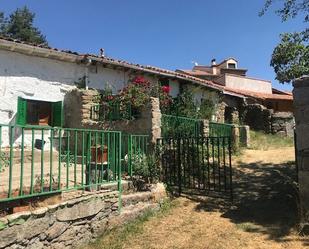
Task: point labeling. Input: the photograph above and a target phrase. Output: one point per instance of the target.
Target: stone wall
(301, 105)
(258, 117)
(282, 123)
(77, 108)
(77, 221)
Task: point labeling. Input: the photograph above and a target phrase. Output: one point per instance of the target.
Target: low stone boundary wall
(77, 221)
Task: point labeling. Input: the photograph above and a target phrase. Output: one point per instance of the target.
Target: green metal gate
(174, 126)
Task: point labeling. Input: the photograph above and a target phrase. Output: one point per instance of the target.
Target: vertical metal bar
(119, 172)
(184, 161)
(51, 160)
(179, 166)
(75, 157)
(89, 163)
(22, 162)
(114, 155)
(59, 159)
(11, 134)
(219, 168)
(96, 157)
(213, 162)
(198, 161)
(83, 158)
(130, 138)
(189, 155)
(208, 164)
(102, 157)
(231, 172)
(193, 162)
(42, 160)
(68, 159)
(175, 160)
(203, 161)
(171, 166)
(108, 156)
(32, 161)
(224, 162)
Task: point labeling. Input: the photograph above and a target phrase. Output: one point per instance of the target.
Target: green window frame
(56, 115)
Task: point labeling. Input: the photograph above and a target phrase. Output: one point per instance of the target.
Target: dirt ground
(263, 214)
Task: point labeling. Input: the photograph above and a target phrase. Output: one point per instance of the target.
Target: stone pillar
(155, 119)
(205, 127)
(220, 114)
(301, 105)
(77, 107)
(235, 116)
(235, 138)
(244, 137)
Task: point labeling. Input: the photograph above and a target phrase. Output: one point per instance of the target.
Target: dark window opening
(39, 113)
(35, 112)
(231, 65)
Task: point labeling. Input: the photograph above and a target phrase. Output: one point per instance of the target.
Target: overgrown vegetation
(184, 105)
(262, 141)
(146, 171)
(116, 238)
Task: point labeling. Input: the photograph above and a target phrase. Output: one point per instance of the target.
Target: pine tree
(19, 26)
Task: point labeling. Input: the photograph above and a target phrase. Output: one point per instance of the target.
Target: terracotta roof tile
(108, 60)
(263, 96)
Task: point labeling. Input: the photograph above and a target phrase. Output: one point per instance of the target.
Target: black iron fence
(197, 163)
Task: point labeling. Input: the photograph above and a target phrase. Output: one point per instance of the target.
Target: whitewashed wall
(33, 78)
(46, 79)
(249, 84)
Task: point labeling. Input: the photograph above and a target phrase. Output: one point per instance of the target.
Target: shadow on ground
(265, 200)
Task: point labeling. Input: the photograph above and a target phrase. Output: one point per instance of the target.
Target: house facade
(253, 100)
(34, 82)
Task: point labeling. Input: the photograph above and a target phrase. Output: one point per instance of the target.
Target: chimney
(102, 52)
(214, 66)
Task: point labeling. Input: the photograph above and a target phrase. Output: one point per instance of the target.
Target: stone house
(255, 102)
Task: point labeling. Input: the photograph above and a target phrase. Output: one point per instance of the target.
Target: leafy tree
(290, 58)
(19, 26)
(290, 9)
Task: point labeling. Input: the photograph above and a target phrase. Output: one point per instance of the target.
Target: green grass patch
(262, 141)
(117, 237)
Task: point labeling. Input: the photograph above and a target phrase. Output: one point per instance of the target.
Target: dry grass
(262, 141)
(262, 216)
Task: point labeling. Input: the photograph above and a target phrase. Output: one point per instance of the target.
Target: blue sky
(164, 33)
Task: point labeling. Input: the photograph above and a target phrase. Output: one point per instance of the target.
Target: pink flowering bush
(136, 95)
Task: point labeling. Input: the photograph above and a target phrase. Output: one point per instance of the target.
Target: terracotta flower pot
(102, 155)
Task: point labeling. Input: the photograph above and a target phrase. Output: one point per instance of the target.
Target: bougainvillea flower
(166, 89)
(139, 80)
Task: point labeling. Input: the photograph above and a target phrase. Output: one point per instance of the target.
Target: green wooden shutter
(57, 110)
(21, 111)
